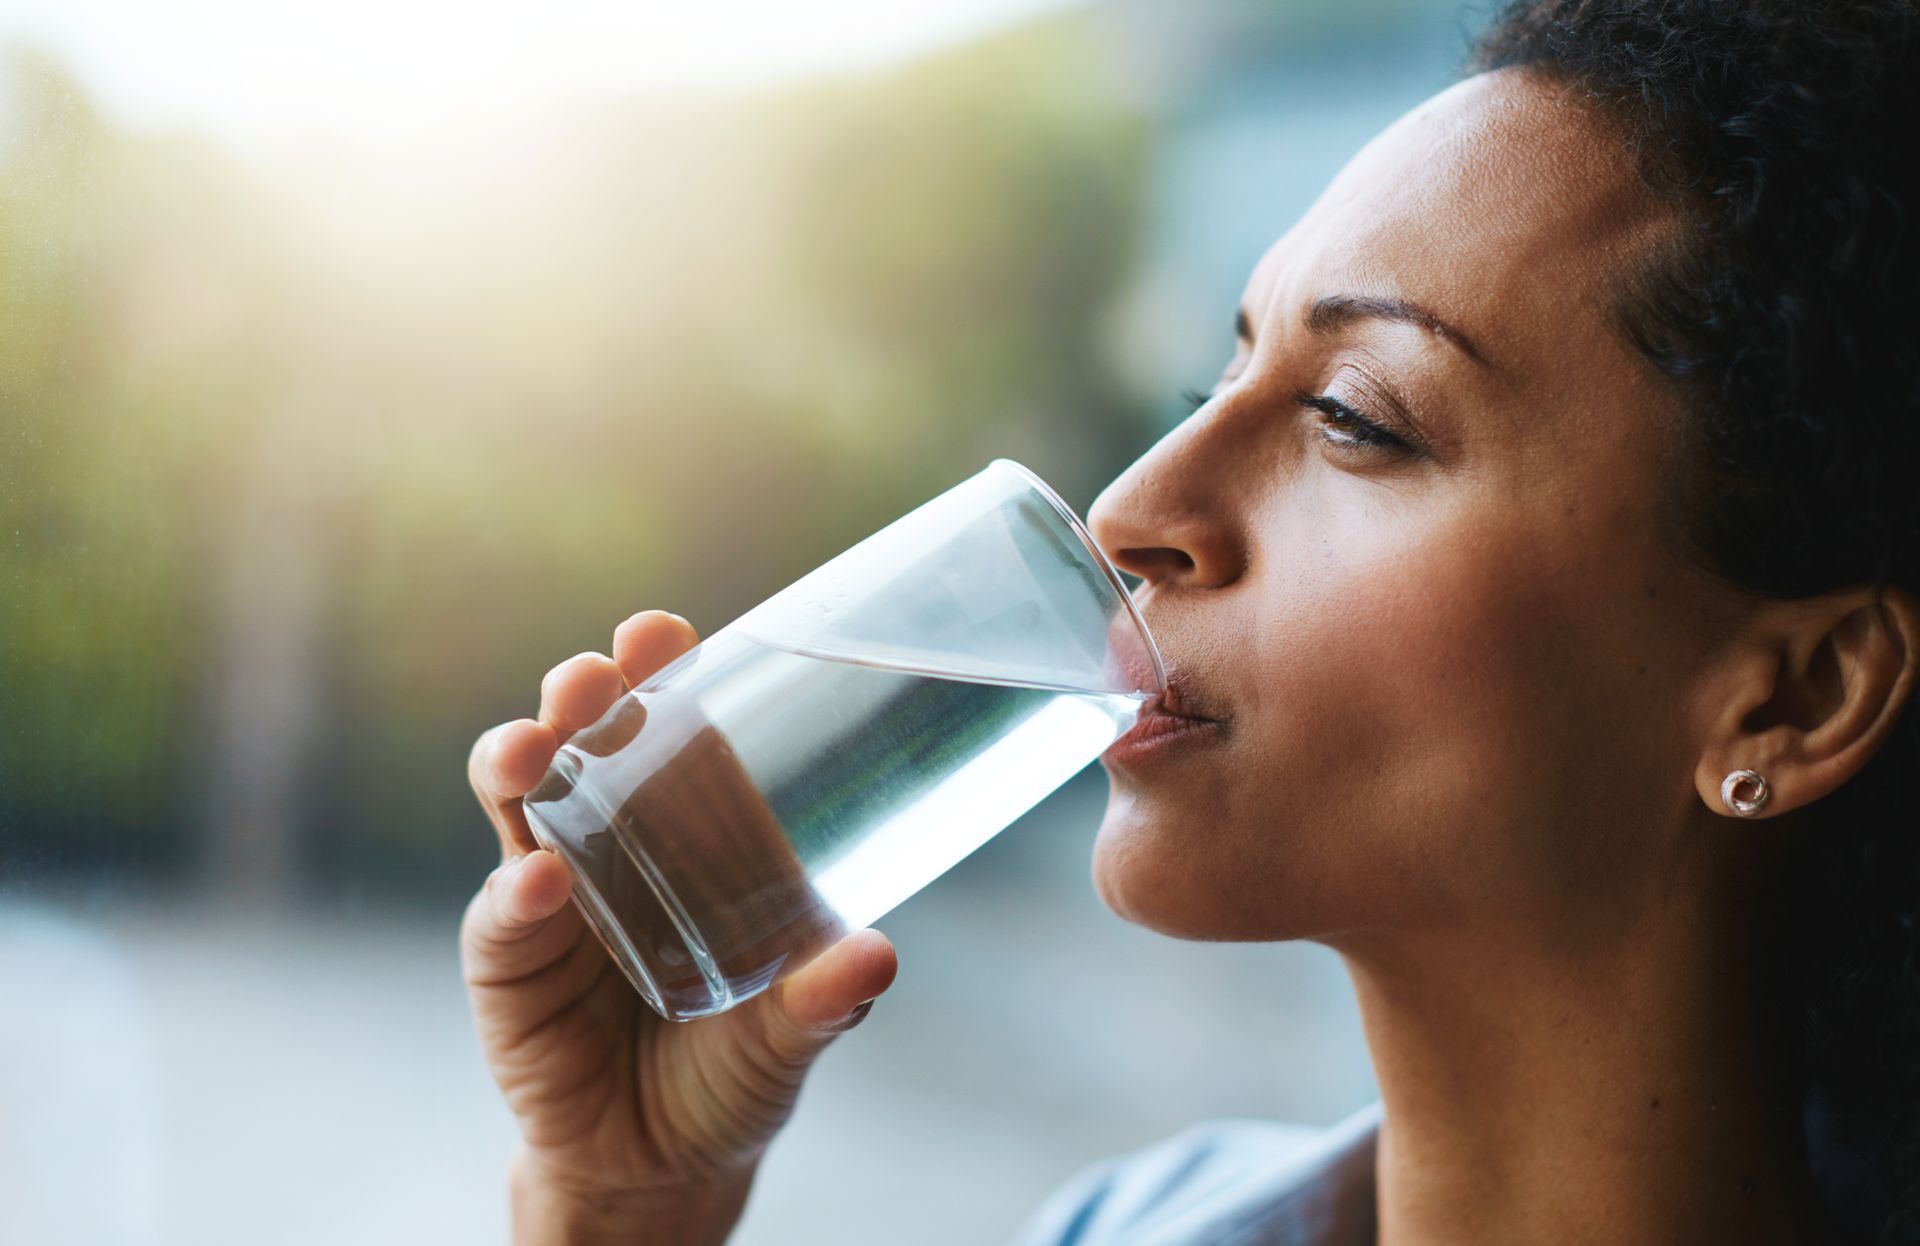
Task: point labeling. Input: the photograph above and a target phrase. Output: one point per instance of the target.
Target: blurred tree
(97, 658)
(312, 469)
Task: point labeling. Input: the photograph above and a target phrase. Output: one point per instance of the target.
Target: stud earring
(1744, 793)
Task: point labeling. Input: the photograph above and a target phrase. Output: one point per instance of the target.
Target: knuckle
(788, 1047)
(474, 921)
(483, 928)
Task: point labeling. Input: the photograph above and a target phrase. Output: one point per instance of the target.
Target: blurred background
(360, 361)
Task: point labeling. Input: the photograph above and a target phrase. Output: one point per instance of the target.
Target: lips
(1130, 667)
(1178, 701)
(1172, 717)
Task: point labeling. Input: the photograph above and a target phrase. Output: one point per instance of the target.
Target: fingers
(648, 641)
(519, 922)
(508, 760)
(574, 694)
(505, 763)
(828, 995)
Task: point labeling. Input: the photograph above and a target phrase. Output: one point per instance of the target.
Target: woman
(1540, 580)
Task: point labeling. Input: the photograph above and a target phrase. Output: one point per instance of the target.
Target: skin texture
(1470, 709)
(1473, 703)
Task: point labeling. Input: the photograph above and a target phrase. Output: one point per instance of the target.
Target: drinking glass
(823, 757)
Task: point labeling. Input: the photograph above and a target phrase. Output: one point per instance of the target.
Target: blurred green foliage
(310, 467)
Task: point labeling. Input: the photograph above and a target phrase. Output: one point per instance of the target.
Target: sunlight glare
(380, 71)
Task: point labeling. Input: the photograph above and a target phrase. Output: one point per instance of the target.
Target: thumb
(832, 993)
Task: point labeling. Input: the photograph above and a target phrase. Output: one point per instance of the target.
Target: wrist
(550, 1211)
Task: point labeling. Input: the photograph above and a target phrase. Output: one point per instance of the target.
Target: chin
(1145, 873)
(1181, 877)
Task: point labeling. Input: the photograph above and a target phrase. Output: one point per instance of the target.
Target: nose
(1169, 518)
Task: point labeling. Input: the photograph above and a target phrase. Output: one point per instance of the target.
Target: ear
(1807, 694)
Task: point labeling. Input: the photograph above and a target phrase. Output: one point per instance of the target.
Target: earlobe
(1808, 697)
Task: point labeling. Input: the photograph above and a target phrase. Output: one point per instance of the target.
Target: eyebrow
(1335, 311)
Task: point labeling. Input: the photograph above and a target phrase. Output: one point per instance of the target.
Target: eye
(1341, 425)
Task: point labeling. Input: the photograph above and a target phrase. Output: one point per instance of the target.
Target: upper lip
(1179, 700)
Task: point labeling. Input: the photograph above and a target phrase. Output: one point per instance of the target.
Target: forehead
(1503, 203)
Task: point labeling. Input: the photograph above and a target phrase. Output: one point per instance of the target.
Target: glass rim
(1100, 559)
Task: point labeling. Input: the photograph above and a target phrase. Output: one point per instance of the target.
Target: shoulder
(1224, 1183)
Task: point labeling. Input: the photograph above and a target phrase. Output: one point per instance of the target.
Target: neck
(1625, 1082)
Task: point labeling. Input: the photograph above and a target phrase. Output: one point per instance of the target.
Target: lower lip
(1155, 735)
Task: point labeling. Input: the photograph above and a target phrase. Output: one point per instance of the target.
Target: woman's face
(1414, 555)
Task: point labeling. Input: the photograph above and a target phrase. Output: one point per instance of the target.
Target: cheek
(1414, 700)
(1350, 682)
(1391, 692)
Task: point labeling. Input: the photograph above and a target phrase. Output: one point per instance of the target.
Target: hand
(618, 1108)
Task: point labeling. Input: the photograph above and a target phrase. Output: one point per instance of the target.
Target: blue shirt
(1223, 1183)
(1257, 1183)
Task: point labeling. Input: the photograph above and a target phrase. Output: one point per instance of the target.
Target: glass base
(670, 964)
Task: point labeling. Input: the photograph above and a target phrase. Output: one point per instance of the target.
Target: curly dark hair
(1787, 134)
